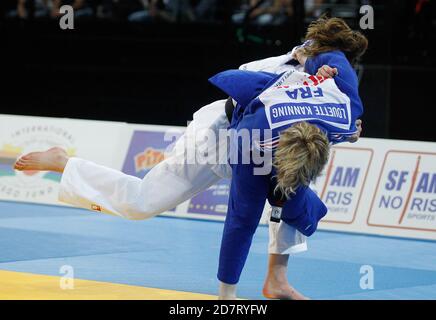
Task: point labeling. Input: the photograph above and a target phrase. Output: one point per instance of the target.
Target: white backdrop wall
(375, 186)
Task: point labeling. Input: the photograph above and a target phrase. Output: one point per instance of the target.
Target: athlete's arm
(270, 64)
(354, 138)
(345, 79)
(329, 73)
(243, 86)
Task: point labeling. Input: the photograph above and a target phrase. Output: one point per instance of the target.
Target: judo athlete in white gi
(321, 109)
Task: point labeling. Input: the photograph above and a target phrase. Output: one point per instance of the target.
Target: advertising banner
(147, 148)
(94, 140)
(384, 187)
(375, 186)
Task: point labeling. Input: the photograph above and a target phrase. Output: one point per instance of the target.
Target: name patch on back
(330, 112)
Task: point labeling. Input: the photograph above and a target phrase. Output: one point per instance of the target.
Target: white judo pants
(173, 181)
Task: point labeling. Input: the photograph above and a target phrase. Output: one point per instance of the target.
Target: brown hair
(328, 34)
(301, 155)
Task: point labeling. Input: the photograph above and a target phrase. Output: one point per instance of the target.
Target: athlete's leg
(54, 159)
(284, 241)
(92, 186)
(173, 181)
(276, 283)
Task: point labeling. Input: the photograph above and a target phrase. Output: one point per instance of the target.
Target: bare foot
(54, 159)
(273, 289)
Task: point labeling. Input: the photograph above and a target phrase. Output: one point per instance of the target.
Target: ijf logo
(343, 181)
(31, 185)
(405, 196)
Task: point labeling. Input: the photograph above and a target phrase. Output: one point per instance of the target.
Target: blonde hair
(301, 155)
(328, 34)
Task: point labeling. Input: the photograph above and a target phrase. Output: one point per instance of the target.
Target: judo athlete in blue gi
(302, 118)
(291, 118)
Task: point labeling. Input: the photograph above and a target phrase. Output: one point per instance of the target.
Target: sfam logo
(406, 192)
